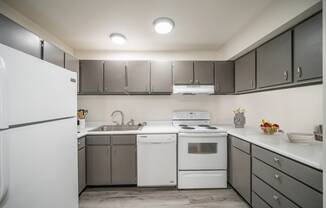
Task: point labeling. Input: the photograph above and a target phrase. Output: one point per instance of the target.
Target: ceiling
(201, 25)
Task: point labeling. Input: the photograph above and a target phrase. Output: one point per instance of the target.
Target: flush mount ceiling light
(118, 38)
(163, 25)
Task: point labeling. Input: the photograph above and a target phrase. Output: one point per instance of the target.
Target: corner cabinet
(245, 72)
(91, 76)
(224, 77)
(274, 61)
(161, 77)
(307, 51)
(53, 54)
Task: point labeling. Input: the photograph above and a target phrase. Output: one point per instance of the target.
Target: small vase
(239, 120)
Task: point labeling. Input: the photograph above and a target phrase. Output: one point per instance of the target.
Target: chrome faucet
(122, 117)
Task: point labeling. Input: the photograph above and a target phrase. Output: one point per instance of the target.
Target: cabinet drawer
(240, 144)
(268, 194)
(296, 191)
(98, 140)
(307, 175)
(123, 139)
(257, 202)
(81, 142)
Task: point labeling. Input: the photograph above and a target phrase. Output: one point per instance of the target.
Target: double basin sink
(117, 128)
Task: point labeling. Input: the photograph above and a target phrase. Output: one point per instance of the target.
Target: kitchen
(191, 104)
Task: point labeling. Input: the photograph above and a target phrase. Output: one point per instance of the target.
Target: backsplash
(296, 109)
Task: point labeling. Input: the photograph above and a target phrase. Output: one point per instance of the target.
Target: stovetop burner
(211, 127)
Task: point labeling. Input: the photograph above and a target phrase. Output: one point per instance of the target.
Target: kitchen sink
(117, 128)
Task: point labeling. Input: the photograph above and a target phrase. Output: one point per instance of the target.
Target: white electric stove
(202, 151)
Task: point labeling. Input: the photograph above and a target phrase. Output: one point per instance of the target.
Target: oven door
(202, 151)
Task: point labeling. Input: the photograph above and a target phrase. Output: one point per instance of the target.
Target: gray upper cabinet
(204, 72)
(98, 160)
(138, 75)
(53, 54)
(224, 77)
(183, 72)
(115, 77)
(91, 76)
(17, 37)
(308, 49)
(124, 170)
(72, 64)
(274, 61)
(161, 77)
(245, 72)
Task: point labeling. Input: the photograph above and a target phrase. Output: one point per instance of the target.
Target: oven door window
(202, 148)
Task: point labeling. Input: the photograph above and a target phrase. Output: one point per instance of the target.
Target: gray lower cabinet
(161, 77)
(115, 77)
(204, 72)
(138, 75)
(98, 165)
(307, 49)
(224, 77)
(245, 72)
(72, 64)
(91, 76)
(124, 170)
(274, 61)
(183, 72)
(17, 37)
(53, 54)
(81, 164)
(240, 169)
(257, 202)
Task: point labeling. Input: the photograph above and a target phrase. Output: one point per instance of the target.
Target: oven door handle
(202, 134)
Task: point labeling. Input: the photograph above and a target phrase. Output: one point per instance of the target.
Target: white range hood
(193, 89)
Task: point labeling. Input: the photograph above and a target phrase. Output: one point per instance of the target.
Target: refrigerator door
(37, 90)
(3, 166)
(3, 94)
(43, 165)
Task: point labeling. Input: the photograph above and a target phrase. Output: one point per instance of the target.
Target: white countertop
(310, 154)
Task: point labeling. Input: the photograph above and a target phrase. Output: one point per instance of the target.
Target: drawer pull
(276, 198)
(276, 160)
(277, 176)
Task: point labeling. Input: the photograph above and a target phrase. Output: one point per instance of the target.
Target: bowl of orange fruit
(268, 127)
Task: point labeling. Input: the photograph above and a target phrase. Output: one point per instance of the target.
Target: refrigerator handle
(4, 123)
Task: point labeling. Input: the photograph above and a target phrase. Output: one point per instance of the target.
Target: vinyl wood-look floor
(160, 198)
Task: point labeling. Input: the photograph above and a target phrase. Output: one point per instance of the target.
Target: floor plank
(160, 198)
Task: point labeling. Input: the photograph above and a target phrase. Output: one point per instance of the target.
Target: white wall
(30, 25)
(295, 109)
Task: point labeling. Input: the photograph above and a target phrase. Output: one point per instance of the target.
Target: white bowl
(300, 137)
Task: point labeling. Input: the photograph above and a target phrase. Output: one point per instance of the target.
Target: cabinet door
(161, 77)
(72, 64)
(245, 72)
(81, 169)
(17, 37)
(91, 76)
(124, 170)
(274, 61)
(138, 75)
(241, 172)
(53, 54)
(115, 77)
(308, 49)
(98, 165)
(224, 77)
(204, 72)
(183, 72)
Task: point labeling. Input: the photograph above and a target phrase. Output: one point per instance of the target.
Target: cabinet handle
(277, 176)
(190, 81)
(252, 83)
(299, 70)
(286, 75)
(197, 81)
(276, 160)
(276, 198)
(126, 75)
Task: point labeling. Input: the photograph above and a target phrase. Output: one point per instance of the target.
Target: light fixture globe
(118, 38)
(163, 25)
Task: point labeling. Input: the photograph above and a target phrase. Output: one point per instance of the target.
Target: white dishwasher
(156, 160)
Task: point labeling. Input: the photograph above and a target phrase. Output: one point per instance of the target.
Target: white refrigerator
(38, 141)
